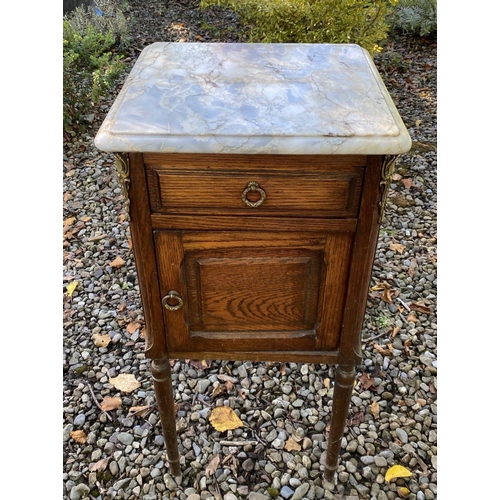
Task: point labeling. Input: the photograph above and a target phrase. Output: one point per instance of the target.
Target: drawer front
(200, 188)
(242, 291)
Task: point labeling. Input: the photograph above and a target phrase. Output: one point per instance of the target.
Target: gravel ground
(393, 415)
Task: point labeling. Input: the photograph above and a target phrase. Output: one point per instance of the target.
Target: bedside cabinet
(255, 176)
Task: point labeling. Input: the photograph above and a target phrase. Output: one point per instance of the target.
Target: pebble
(79, 420)
(402, 435)
(286, 492)
(301, 491)
(125, 438)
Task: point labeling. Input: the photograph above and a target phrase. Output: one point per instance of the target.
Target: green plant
(416, 17)
(90, 68)
(111, 21)
(321, 21)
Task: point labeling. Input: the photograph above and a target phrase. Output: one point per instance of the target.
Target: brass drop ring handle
(172, 295)
(253, 186)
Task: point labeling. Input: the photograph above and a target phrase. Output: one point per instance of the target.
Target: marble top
(254, 99)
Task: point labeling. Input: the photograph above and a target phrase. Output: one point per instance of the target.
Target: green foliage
(416, 17)
(113, 21)
(321, 21)
(90, 65)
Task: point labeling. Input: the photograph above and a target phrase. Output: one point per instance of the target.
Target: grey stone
(286, 492)
(125, 438)
(79, 491)
(257, 496)
(380, 461)
(301, 491)
(79, 420)
(203, 385)
(294, 482)
(66, 432)
(402, 435)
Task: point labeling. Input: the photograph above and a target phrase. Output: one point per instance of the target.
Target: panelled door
(252, 291)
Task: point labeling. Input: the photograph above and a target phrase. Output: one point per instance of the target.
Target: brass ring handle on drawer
(253, 186)
(172, 295)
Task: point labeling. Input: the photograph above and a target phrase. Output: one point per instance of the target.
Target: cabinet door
(252, 291)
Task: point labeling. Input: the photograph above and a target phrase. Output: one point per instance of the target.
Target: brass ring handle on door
(253, 186)
(172, 295)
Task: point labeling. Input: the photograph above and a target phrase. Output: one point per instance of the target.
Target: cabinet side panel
(365, 243)
(145, 261)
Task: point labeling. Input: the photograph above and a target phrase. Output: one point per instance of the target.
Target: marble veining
(254, 99)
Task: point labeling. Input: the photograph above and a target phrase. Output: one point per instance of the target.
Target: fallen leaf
(418, 123)
(138, 411)
(79, 436)
(291, 444)
(212, 466)
(218, 389)
(326, 383)
(101, 340)
(386, 295)
(396, 330)
(100, 465)
(121, 308)
(122, 218)
(420, 308)
(133, 327)
(375, 409)
(382, 350)
(70, 288)
(229, 385)
(366, 381)
(202, 364)
(125, 382)
(118, 262)
(397, 247)
(356, 419)
(412, 317)
(143, 333)
(407, 183)
(69, 221)
(67, 196)
(397, 471)
(224, 418)
(109, 403)
(403, 492)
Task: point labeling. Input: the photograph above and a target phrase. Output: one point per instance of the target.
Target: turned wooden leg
(344, 383)
(162, 378)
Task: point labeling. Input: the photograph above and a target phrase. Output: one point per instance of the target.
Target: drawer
(211, 185)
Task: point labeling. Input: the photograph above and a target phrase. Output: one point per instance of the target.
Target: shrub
(321, 21)
(90, 63)
(416, 17)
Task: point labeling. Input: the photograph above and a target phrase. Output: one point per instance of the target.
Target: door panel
(253, 291)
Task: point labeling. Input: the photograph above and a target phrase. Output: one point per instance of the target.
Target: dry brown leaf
(412, 317)
(406, 183)
(382, 350)
(118, 262)
(143, 333)
(291, 444)
(218, 389)
(202, 364)
(100, 465)
(375, 409)
(125, 382)
(79, 436)
(224, 418)
(420, 308)
(109, 403)
(395, 331)
(397, 247)
(69, 221)
(212, 466)
(387, 295)
(138, 411)
(121, 307)
(366, 381)
(133, 327)
(101, 340)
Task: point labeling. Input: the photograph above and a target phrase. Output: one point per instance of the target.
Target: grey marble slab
(254, 99)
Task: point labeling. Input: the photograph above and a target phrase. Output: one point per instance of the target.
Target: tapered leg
(344, 382)
(162, 378)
